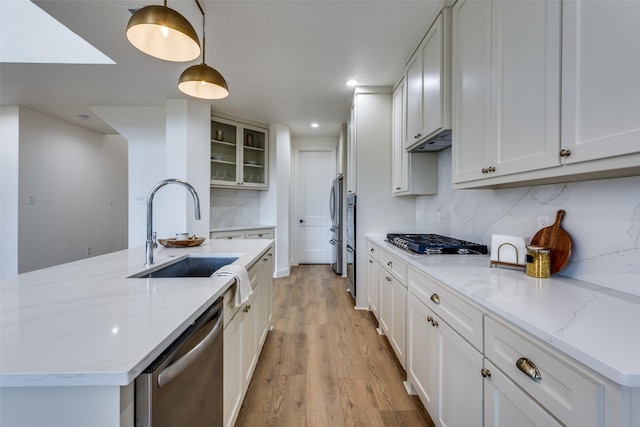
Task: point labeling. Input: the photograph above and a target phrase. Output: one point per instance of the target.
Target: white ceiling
(284, 61)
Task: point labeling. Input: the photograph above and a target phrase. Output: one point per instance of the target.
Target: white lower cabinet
(392, 304)
(507, 405)
(373, 288)
(244, 335)
(233, 373)
(572, 395)
(443, 368)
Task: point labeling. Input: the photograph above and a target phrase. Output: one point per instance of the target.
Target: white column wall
(9, 158)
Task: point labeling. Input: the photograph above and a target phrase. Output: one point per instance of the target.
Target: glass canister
(538, 261)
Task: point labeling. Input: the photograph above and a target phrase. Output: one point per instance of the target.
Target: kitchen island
(74, 337)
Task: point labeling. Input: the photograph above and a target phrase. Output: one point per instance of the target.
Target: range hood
(437, 142)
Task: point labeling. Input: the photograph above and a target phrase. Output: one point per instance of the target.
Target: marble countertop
(592, 324)
(87, 323)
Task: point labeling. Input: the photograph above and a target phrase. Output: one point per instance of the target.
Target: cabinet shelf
(253, 165)
(247, 147)
(223, 162)
(230, 144)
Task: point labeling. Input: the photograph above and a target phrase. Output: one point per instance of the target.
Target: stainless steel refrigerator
(335, 210)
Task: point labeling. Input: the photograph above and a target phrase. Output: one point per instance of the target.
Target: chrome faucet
(196, 207)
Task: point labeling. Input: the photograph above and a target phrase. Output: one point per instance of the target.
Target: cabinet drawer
(572, 396)
(263, 233)
(373, 251)
(227, 235)
(465, 318)
(395, 266)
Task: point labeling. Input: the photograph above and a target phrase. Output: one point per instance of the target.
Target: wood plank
(324, 407)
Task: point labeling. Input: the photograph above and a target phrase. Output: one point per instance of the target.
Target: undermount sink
(190, 266)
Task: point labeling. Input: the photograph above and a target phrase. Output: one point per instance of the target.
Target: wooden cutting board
(558, 240)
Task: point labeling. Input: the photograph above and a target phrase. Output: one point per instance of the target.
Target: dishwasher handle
(173, 370)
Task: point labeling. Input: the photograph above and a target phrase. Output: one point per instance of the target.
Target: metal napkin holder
(498, 263)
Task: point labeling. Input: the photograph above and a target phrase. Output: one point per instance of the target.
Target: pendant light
(202, 81)
(163, 33)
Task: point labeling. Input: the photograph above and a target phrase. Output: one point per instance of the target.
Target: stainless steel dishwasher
(183, 386)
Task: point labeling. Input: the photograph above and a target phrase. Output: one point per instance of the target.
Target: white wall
(144, 129)
(602, 218)
(77, 180)
(9, 157)
(280, 205)
(377, 210)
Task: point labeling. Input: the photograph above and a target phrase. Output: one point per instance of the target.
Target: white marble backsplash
(231, 208)
(602, 218)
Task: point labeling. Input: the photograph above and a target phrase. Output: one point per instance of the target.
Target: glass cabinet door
(253, 157)
(239, 156)
(223, 154)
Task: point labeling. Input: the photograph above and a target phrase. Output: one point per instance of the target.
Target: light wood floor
(323, 364)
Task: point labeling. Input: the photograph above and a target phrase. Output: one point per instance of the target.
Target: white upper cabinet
(600, 79)
(545, 91)
(506, 87)
(239, 155)
(413, 173)
(428, 87)
(351, 151)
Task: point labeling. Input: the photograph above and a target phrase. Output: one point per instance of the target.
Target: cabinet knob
(390, 264)
(435, 298)
(372, 250)
(565, 153)
(485, 373)
(398, 188)
(260, 235)
(370, 262)
(492, 169)
(530, 370)
(388, 278)
(485, 170)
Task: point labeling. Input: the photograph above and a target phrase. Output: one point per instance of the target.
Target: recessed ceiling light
(315, 125)
(352, 82)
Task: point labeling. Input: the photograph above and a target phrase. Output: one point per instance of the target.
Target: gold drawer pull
(527, 366)
(435, 298)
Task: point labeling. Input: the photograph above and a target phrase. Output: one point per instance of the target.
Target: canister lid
(538, 248)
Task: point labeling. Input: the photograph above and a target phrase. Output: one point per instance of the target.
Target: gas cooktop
(435, 244)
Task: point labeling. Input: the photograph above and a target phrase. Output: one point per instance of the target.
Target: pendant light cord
(204, 43)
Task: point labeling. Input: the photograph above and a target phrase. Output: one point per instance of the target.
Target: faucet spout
(152, 193)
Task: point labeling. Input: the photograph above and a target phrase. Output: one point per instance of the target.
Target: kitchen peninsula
(75, 336)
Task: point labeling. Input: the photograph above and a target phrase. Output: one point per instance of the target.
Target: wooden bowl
(190, 242)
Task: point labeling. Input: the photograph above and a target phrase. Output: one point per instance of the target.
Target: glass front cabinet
(239, 155)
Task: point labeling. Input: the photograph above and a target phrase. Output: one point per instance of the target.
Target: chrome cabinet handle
(435, 298)
(529, 368)
(485, 373)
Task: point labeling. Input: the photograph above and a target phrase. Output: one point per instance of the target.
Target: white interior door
(314, 175)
